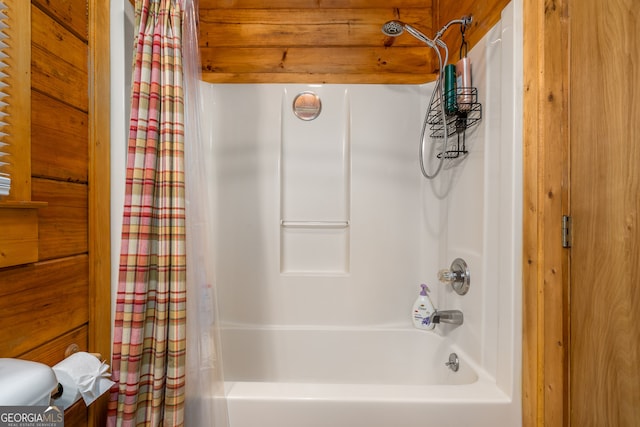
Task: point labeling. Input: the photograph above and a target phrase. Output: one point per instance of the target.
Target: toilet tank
(25, 383)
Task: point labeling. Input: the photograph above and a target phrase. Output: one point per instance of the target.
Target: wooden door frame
(545, 387)
(99, 192)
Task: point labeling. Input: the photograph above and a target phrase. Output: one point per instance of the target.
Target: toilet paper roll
(81, 375)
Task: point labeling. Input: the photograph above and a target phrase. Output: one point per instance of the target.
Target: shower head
(395, 28)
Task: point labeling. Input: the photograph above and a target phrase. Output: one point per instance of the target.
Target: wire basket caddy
(462, 111)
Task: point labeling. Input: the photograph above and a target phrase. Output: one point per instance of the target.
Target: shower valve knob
(447, 276)
(457, 276)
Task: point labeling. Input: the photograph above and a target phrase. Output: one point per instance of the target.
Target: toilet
(25, 383)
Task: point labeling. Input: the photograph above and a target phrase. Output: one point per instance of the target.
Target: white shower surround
(402, 230)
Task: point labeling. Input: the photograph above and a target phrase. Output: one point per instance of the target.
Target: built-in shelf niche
(315, 186)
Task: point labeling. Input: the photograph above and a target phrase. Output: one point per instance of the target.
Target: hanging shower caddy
(467, 114)
(462, 109)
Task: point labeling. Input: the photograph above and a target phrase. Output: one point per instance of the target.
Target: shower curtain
(205, 399)
(158, 285)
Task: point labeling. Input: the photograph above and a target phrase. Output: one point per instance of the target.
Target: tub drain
(453, 363)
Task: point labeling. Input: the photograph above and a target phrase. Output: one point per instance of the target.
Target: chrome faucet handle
(457, 276)
(447, 276)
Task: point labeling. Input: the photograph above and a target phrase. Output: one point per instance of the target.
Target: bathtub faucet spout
(453, 317)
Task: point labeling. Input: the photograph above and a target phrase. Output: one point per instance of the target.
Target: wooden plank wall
(47, 305)
(313, 41)
(330, 41)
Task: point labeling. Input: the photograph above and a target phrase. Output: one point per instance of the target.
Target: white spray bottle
(422, 311)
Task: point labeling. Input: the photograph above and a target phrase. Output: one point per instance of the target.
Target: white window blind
(5, 177)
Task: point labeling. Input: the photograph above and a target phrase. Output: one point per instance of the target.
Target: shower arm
(464, 22)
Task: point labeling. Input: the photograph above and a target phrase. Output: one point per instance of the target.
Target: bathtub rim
(480, 392)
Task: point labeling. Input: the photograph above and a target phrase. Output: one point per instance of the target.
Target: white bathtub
(344, 377)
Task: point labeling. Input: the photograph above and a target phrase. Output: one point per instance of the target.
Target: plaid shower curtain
(149, 328)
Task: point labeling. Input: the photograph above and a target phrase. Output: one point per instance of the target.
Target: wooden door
(605, 207)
